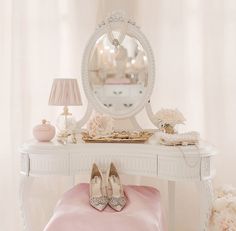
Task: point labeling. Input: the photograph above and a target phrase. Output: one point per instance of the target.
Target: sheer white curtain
(194, 43)
(39, 40)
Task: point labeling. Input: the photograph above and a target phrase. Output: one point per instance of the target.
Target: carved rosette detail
(117, 17)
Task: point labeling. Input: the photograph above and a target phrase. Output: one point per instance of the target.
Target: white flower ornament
(100, 125)
(166, 119)
(224, 210)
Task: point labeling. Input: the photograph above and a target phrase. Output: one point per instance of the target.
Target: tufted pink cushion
(142, 213)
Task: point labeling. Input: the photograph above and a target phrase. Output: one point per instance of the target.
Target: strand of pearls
(191, 165)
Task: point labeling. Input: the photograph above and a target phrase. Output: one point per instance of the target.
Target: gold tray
(119, 137)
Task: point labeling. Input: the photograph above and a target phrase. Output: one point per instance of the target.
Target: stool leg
(171, 195)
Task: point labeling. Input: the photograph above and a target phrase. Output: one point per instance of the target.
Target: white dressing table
(130, 49)
(169, 163)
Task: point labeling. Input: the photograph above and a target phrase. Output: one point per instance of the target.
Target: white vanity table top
(202, 149)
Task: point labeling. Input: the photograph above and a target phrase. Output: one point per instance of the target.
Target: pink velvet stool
(142, 212)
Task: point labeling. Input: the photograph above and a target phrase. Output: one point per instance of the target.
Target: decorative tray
(118, 137)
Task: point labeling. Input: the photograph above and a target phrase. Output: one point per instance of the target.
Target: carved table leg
(171, 195)
(25, 182)
(206, 200)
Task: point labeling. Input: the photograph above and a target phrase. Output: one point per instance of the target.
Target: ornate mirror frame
(116, 20)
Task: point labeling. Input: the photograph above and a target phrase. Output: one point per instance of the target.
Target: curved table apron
(192, 163)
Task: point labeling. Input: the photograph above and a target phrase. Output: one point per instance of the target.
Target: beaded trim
(95, 201)
(116, 201)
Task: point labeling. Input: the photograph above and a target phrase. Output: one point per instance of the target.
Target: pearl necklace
(116, 41)
(191, 165)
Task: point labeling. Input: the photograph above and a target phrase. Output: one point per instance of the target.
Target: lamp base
(65, 121)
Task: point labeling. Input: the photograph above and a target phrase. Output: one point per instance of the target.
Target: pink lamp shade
(65, 92)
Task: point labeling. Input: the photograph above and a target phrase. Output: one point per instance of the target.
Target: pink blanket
(142, 213)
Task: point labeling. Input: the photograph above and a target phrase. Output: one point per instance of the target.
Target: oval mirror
(118, 68)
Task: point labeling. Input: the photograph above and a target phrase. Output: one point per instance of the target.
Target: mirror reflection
(118, 74)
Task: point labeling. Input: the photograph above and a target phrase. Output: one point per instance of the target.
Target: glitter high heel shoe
(98, 196)
(115, 190)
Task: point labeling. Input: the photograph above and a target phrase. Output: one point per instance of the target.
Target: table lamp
(65, 92)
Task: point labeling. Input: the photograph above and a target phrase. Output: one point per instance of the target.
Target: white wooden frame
(116, 20)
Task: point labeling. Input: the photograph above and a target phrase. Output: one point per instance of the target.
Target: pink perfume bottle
(44, 132)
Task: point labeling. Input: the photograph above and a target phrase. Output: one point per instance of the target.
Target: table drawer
(178, 168)
(49, 164)
(126, 164)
